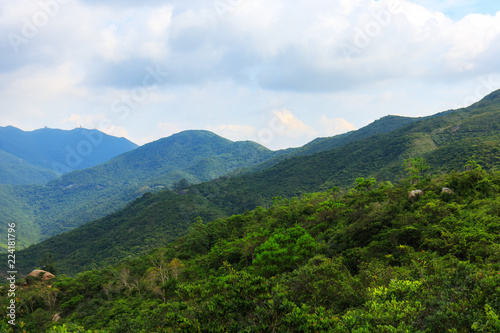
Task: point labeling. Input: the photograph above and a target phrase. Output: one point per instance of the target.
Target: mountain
(58, 150)
(195, 155)
(16, 171)
(385, 124)
(153, 219)
(447, 142)
(85, 195)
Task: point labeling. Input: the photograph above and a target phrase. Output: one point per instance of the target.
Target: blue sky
(278, 72)
(457, 9)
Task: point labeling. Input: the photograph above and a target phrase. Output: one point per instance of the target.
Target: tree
(180, 185)
(160, 263)
(415, 167)
(472, 164)
(365, 184)
(176, 267)
(284, 251)
(197, 240)
(47, 263)
(50, 297)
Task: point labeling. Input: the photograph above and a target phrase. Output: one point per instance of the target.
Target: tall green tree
(415, 168)
(284, 251)
(47, 263)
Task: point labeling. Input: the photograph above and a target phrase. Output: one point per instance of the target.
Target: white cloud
(288, 125)
(231, 69)
(234, 132)
(469, 38)
(334, 126)
(118, 132)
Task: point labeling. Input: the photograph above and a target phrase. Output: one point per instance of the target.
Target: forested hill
(85, 195)
(59, 150)
(446, 143)
(195, 155)
(369, 259)
(16, 171)
(385, 124)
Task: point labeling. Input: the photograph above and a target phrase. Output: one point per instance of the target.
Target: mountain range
(85, 195)
(198, 156)
(446, 141)
(39, 156)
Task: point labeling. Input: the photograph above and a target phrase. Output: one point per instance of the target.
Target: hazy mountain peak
(62, 151)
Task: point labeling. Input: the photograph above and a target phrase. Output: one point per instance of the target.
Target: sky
(277, 72)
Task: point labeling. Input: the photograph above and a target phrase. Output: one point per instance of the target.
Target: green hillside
(152, 219)
(198, 155)
(14, 210)
(61, 150)
(446, 143)
(16, 171)
(368, 259)
(86, 195)
(385, 124)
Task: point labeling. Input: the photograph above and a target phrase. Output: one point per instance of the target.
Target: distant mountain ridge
(188, 154)
(58, 151)
(81, 196)
(447, 142)
(196, 155)
(383, 125)
(16, 171)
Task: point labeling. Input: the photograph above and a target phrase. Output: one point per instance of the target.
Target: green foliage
(86, 195)
(47, 263)
(366, 259)
(285, 250)
(324, 282)
(182, 184)
(72, 329)
(364, 184)
(369, 260)
(472, 164)
(415, 167)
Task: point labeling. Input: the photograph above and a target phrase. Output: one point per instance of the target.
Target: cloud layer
(321, 67)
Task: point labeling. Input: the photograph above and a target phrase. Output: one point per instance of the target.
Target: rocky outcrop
(446, 190)
(415, 193)
(44, 275)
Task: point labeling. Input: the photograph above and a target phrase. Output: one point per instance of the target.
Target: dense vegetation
(370, 259)
(143, 225)
(86, 195)
(16, 171)
(446, 142)
(195, 156)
